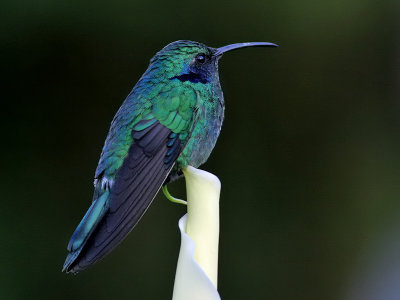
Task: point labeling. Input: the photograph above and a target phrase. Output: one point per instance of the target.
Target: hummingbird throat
(192, 77)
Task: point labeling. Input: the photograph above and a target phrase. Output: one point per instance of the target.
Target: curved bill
(224, 49)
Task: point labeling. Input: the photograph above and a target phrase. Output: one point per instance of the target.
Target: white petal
(191, 282)
(197, 269)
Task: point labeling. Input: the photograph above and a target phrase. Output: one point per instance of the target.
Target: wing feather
(135, 186)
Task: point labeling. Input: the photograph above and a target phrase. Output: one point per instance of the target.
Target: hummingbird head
(194, 62)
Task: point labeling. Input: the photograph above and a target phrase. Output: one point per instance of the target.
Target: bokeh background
(308, 156)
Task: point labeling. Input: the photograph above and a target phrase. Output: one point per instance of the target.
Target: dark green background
(308, 156)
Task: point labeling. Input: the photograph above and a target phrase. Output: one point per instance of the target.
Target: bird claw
(172, 198)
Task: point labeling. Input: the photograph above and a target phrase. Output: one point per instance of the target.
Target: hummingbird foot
(172, 198)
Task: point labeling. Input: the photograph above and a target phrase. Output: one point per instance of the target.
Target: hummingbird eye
(200, 58)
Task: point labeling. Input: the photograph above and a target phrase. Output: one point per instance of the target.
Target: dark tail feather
(85, 228)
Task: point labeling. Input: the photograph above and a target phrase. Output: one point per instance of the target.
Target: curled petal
(197, 269)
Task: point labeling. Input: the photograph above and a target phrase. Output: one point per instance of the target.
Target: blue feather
(85, 228)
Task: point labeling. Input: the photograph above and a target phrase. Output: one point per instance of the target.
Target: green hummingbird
(171, 119)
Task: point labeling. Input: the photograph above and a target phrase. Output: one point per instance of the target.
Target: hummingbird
(171, 119)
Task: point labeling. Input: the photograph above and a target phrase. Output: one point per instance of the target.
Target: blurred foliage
(308, 155)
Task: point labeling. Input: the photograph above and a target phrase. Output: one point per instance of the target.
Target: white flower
(197, 269)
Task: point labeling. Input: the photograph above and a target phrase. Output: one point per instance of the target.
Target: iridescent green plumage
(173, 103)
(171, 119)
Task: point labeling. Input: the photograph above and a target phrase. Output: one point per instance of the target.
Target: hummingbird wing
(157, 140)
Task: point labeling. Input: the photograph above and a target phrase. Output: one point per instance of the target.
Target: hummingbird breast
(207, 127)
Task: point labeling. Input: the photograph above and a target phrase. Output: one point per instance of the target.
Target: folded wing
(108, 221)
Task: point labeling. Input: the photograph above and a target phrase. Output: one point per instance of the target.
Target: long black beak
(224, 49)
